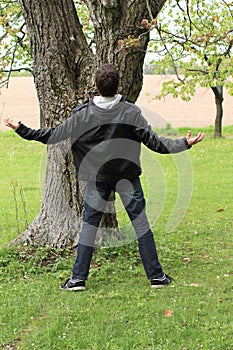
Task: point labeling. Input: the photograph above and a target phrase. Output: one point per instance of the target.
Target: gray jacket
(106, 144)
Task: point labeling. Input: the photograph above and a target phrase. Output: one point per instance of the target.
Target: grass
(19, 182)
(119, 311)
(21, 74)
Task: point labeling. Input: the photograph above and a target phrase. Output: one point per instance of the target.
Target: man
(106, 136)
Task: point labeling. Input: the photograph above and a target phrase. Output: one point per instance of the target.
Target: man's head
(107, 80)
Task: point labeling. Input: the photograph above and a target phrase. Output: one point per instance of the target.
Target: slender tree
(194, 40)
(64, 60)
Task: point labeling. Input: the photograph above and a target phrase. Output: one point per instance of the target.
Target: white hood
(107, 102)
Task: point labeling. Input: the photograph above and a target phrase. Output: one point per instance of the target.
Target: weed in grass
(15, 189)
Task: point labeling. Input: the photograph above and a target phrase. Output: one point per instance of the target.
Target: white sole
(75, 289)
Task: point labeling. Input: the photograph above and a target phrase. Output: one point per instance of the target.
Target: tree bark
(218, 92)
(116, 20)
(63, 66)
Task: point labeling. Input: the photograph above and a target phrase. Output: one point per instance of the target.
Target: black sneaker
(161, 281)
(76, 285)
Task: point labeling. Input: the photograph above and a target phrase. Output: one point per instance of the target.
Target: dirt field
(20, 101)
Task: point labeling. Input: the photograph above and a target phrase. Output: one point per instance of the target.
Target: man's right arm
(41, 135)
(48, 135)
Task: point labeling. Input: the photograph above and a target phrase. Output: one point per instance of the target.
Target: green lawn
(119, 310)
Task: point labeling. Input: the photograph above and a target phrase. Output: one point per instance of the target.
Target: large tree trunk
(115, 20)
(63, 71)
(218, 93)
(63, 66)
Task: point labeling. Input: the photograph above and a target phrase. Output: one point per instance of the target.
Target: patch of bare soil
(20, 101)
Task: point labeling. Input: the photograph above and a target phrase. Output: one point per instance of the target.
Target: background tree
(194, 39)
(64, 61)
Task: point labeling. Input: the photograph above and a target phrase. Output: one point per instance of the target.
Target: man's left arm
(164, 145)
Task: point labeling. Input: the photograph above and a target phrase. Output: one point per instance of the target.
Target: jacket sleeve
(37, 135)
(149, 138)
(51, 135)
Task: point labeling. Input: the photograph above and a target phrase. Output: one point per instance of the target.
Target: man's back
(106, 143)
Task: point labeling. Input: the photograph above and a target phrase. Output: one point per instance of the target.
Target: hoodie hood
(107, 102)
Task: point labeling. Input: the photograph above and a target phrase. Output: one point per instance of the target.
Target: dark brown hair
(107, 80)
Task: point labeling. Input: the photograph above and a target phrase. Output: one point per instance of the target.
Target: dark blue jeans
(132, 197)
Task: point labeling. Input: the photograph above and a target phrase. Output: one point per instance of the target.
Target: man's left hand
(193, 140)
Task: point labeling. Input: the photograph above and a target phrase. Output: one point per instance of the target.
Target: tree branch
(149, 9)
(169, 54)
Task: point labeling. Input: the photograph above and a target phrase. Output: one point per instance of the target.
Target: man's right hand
(11, 124)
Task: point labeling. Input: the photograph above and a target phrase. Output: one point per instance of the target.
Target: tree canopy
(15, 49)
(194, 40)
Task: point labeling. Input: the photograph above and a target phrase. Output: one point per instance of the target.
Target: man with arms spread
(106, 135)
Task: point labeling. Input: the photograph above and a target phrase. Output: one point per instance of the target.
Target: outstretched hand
(193, 140)
(11, 124)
